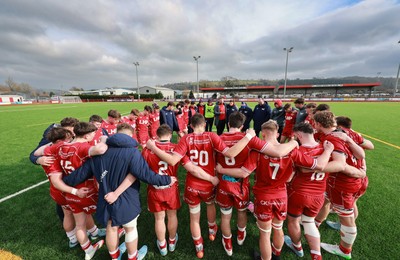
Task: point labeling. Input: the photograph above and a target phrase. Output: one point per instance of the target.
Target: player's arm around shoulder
(111, 197)
(98, 149)
(323, 159)
(239, 146)
(171, 159)
(233, 172)
(280, 150)
(200, 173)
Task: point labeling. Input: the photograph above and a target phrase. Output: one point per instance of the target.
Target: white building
(105, 92)
(10, 99)
(167, 92)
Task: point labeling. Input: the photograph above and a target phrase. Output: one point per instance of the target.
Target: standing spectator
(262, 113)
(209, 115)
(230, 108)
(167, 116)
(248, 112)
(278, 114)
(200, 107)
(301, 113)
(220, 116)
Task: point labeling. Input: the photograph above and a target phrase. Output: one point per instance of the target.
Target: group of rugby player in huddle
(321, 168)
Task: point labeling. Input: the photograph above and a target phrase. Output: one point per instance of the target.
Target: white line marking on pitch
(22, 191)
(17, 110)
(381, 141)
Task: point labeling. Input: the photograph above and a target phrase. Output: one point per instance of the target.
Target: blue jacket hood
(121, 141)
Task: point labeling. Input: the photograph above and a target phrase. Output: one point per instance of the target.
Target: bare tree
(11, 84)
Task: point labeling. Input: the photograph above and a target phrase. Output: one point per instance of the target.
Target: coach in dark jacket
(110, 170)
(230, 108)
(248, 112)
(167, 116)
(261, 114)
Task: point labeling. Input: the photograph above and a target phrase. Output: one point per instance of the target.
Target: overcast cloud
(92, 44)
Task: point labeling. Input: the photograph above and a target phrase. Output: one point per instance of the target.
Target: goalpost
(70, 99)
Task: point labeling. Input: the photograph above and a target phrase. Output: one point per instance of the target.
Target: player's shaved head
(270, 125)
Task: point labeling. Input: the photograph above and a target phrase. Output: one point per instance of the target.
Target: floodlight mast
(137, 78)
(286, 68)
(397, 80)
(196, 58)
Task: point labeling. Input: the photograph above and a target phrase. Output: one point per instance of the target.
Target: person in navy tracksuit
(167, 116)
(261, 114)
(121, 162)
(248, 112)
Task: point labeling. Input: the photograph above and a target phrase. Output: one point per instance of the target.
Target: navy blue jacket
(229, 110)
(42, 142)
(248, 112)
(110, 169)
(168, 117)
(261, 114)
(301, 115)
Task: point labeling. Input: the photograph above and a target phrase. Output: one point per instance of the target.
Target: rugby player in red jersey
(131, 120)
(271, 175)
(70, 157)
(310, 112)
(343, 189)
(142, 125)
(96, 120)
(290, 120)
(233, 191)
(180, 117)
(57, 136)
(113, 119)
(200, 147)
(344, 123)
(154, 122)
(165, 200)
(305, 196)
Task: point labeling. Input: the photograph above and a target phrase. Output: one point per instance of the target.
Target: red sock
(316, 257)
(276, 251)
(133, 257)
(164, 245)
(345, 250)
(198, 241)
(298, 247)
(115, 254)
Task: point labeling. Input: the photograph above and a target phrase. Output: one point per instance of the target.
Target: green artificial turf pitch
(30, 228)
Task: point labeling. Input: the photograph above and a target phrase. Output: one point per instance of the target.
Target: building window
(147, 91)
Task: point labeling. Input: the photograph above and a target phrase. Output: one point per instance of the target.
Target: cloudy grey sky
(92, 44)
